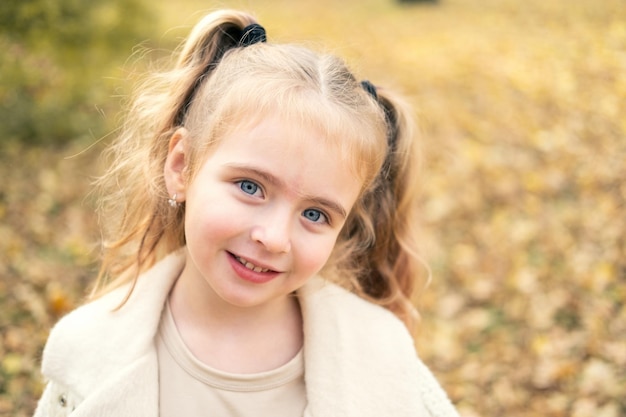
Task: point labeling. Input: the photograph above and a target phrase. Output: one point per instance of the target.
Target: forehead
(353, 131)
(300, 158)
(298, 127)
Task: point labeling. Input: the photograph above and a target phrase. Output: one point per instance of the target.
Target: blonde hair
(215, 85)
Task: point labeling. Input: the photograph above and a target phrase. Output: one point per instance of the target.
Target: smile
(250, 265)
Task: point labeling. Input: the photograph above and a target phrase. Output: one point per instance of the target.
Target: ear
(175, 168)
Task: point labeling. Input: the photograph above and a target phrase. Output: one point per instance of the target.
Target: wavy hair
(214, 86)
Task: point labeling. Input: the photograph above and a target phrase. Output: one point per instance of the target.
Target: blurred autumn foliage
(523, 112)
(55, 62)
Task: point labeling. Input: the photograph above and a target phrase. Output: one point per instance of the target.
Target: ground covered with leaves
(523, 112)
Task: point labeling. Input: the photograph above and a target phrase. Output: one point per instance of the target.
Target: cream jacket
(359, 359)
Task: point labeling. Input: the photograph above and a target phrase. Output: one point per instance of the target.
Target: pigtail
(139, 227)
(386, 265)
(207, 44)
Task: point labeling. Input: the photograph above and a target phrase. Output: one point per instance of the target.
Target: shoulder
(93, 311)
(71, 333)
(100, 334)
(325, 300)
(153, 284)
(335, 317)
(355, 340)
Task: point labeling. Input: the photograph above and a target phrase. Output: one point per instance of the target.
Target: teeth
(251, 266)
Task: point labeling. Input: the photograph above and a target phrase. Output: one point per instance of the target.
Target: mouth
(250, 265)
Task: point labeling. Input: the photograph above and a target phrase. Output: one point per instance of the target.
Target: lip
(249, 274)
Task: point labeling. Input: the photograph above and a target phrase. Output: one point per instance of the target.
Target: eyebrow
(277, 182)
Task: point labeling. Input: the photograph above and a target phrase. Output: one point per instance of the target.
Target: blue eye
(314, 215)
(248, 187)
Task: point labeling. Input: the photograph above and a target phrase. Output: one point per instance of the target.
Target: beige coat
(359, 359)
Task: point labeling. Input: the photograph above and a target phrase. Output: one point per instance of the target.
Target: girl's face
(263, 211)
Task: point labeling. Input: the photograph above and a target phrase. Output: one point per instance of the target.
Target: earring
(172, 201)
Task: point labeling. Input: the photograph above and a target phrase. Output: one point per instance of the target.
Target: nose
(273, 231)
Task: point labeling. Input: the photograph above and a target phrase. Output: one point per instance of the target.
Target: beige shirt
(188, 387)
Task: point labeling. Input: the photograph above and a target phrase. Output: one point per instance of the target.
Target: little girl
(259, 257)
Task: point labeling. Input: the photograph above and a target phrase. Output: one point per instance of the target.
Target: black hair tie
(369, 87)
(249, 35)
(390, 117)
(252, 34)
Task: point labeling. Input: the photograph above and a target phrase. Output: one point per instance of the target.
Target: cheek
(314, 254)
(210, 220)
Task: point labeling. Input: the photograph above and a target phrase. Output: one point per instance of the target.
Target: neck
(232, 338)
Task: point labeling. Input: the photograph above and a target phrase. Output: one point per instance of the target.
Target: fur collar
(359, 359)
